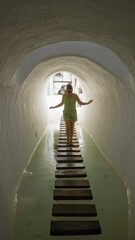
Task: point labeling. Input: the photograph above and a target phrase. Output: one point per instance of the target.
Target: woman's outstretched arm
(58, 105)
(83, 103)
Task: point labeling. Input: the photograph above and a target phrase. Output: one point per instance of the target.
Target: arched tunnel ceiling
(94, 52)
(88, 71)
(84, 69)
(30, 25)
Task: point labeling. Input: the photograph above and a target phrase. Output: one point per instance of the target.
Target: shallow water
(35, 195)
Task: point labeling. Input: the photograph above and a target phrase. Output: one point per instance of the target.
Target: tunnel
(95, 42)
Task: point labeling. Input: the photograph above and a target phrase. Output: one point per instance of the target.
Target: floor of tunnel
(35, 195)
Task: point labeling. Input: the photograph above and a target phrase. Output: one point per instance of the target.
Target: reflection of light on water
(79, 134)
(51, 139)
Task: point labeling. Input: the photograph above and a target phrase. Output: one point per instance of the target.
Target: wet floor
(35, 195)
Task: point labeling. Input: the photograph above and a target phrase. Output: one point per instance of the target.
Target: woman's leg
(71, 131)
(68, 134)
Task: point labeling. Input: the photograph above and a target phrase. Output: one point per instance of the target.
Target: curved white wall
(23, 122)
(79, 29)
(108, 120)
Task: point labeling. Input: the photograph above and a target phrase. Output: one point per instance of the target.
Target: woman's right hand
(90, 101)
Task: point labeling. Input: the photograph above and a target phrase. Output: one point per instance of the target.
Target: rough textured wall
(28, 25)
(23, 122)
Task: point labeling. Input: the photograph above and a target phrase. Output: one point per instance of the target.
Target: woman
(69, 100)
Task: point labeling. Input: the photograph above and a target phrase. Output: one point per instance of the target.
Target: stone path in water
(76, 217)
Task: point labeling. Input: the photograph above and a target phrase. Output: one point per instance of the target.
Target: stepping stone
(68, 149)
(75, 227)
(69, 165)
(70, 173)
(74, 154)
(64, 145)
(72, 183)
(61, 136)
(64, 141)
(65, 138)
(63, 131)
(69, 194)
(82, 210)
(69, 159)
(74, 142)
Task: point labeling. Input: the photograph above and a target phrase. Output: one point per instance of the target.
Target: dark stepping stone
(72, 183)
(74, 154)
(64, 141)
(68, 149)
(69, 165)
(75, 227)
(70, 173)
(69, 159)
(65, 138)
(82, 210)
(74, 142)
(63, 134)
(70, 194)
(64, 145)
(63, 131)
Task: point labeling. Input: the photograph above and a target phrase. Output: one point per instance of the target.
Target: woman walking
(69, 100)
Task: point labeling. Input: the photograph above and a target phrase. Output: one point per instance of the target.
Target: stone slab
(64, 145)
(63, 135)
(63, 131)
(75, 227)
(63, 138)
(64, 141)
(82, 210)
(72, 194)
(69, 165)
(69, 159)
(68, 149)
(70, 173)
(70, 153)
(60, 183)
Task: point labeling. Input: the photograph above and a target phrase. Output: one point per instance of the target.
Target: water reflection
(52, 140)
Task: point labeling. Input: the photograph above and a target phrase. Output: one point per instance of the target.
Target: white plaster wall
(111, 121)
(23, 122)
(30, 25)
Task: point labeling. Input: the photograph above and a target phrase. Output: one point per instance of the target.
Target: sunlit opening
(56, 88)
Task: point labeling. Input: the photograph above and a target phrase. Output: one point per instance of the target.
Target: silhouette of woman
(69, 100)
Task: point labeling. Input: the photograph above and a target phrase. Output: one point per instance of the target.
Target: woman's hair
(69, 87)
